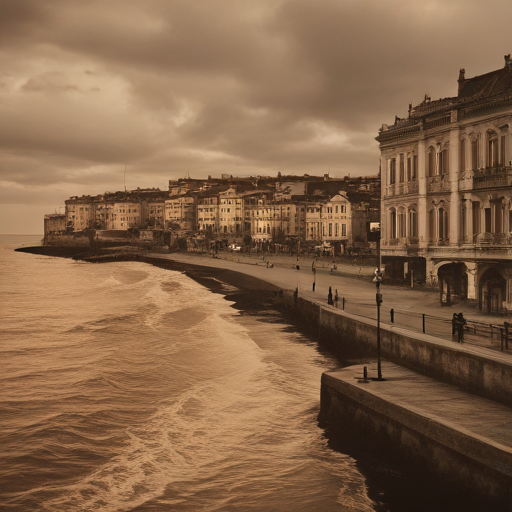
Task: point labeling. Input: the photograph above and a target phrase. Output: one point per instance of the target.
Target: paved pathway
(438, 401)
(354, 283)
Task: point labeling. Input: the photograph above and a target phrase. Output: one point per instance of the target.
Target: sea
(127, 387)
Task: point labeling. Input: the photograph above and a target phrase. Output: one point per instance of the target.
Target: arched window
(444, 161)
(392, 223)
(413, 222)
(492, 149)
(401, 222)
(431, 224)
(442, 227)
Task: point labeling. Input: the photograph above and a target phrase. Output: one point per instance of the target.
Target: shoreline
(249, 294)
(252, 296)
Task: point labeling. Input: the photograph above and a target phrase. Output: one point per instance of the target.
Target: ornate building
(446, 192)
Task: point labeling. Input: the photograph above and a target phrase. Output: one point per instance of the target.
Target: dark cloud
(237, 86)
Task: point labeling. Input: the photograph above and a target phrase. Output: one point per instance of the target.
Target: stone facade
(446, 206)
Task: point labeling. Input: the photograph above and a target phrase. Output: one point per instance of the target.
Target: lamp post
(378, 297)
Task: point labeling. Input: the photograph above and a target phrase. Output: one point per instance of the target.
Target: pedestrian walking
(329, 296)
(336, 298)
(454, 324)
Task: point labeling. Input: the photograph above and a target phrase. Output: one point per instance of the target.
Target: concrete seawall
(471, 368)
(433, 427)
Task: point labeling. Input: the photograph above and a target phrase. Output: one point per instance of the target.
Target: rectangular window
(343, 230)
(431, 162)
(443, 162)
(492, 152)
(409, 169)
(330, 229)
(503, 153)
(413, 224)
(487, 220)
(392, 171)
(414, 167)
(336, 207)
(476, 217)
(402, 168)
(462, 156)
(474, 154)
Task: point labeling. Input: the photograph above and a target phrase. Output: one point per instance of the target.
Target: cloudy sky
(172, 88)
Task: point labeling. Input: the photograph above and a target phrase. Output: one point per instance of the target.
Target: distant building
(181, 214)
(282, 210)
(54, 223)
(80, 213)
(230, 210)
(337, 220)
(446, 192)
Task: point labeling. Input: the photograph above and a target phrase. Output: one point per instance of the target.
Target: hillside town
(438, 207)
(268, 212)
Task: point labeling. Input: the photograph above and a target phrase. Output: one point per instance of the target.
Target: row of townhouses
(443, 196)
(308, 208)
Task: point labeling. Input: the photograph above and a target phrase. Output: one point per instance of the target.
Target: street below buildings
(417, 309)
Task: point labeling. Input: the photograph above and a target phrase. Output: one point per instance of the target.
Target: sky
(96, 95)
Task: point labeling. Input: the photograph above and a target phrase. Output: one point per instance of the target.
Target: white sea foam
(143, 385)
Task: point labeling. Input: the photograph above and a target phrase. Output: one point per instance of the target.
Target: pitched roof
(491, 84)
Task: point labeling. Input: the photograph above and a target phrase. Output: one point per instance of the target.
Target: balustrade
(492, 177)
(492, 239)
(438, 183)
(397, 189)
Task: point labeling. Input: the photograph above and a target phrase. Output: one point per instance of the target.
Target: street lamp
(378, 297)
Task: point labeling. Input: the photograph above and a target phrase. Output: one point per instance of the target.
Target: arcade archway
(453, 282)
(492, 291)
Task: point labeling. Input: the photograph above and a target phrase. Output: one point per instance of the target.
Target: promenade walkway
(354, 284)
(439, 402)
(460, 436)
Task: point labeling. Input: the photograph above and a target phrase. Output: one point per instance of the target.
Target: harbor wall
(349, 335)
(419, 441)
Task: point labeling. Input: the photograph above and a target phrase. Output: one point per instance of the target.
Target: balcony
(399, 189)
(487, 239)
(492, 177)
(438, 183)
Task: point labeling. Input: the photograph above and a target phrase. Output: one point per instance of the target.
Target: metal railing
(475, 333)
